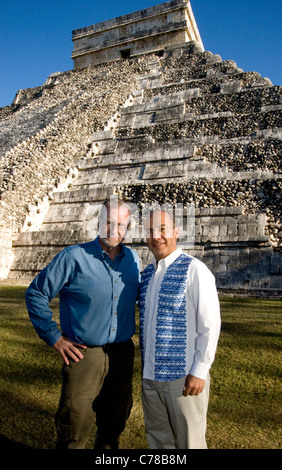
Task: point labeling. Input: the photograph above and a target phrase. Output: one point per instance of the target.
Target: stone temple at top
(151, 116)
(144, 31)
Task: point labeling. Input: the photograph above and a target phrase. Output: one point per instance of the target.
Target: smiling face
(161, 234)
(113, 225)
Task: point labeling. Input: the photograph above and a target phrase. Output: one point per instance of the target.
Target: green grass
(245, 399)
(245, 405)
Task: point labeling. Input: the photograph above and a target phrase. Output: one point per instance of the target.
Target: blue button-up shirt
(97, 295)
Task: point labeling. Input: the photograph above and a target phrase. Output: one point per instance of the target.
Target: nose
(156, 234)
(115, 229)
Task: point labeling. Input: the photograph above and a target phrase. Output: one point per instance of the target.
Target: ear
(177, 232)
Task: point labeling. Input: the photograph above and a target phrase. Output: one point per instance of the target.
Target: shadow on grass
(250, 328)
(9, 444)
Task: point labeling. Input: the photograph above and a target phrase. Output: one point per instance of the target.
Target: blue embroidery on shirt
(171, 329)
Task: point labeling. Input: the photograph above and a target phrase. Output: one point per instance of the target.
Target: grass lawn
(245, 399)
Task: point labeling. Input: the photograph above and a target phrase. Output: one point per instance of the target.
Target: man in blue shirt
(98, 285)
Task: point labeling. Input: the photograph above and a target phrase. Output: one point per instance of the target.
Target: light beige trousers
(173, 421)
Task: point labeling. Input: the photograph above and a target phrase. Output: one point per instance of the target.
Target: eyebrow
(157, 226)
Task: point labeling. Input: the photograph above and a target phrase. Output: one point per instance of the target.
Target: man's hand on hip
(68, 349)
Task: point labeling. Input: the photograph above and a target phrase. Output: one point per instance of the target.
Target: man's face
(113, 225)
(161, 235)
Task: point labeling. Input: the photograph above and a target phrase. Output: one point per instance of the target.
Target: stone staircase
(196, 130)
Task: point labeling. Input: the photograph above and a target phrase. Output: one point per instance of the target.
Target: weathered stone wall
(146, 30)
(45, 130)
(43, 135)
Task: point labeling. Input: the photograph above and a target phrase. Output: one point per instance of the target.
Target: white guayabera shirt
(202, 317)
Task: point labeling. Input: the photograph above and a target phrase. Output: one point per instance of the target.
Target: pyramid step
(91, 176)
(184, 170)
(165, 169)
(99, 194)
(155, 153)
(222, 84)
(102, 142)
(214, 68)
(31, 260)
(226, 125)
(243, 102)
(150, 81)
(159, 108)
(65, 224)
(201, 71)
(75, 212)
(245, 154)
(152, 111)
(131, 142)
(156, 103)
(59, 237)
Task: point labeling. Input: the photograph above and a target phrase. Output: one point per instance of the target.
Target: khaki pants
(101, 384)
(173, 421)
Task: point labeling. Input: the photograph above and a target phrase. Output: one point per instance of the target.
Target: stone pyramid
(177, 125)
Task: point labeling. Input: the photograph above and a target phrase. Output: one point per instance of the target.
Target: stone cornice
(127, 19)
(128, 40)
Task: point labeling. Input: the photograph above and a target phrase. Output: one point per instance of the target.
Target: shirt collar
(166, 262)
(102, 253)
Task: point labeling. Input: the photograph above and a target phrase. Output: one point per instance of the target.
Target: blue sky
(35, 36)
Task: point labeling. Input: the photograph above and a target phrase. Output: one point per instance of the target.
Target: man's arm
(41, 291)
(207, 324)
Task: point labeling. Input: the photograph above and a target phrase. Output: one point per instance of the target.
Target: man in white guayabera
(179, 330)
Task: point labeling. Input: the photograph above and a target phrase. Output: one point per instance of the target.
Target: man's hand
(68, 350)
(193, 385)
